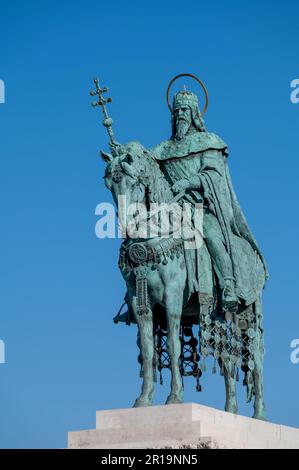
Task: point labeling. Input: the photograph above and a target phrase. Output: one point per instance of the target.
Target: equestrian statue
(193, 269)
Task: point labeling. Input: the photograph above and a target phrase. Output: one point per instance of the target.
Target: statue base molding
(179, 426)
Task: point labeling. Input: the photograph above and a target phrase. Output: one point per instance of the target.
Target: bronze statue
(173, 291)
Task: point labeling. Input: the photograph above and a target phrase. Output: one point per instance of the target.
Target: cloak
(203, 155)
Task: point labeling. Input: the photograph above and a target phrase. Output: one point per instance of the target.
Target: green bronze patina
(172, 292)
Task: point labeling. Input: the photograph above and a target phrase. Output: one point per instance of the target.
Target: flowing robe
(202, 157)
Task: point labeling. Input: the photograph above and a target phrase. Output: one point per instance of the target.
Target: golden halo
(195, 78)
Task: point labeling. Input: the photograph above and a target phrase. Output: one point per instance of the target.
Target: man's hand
(180, 186)
(116, 148)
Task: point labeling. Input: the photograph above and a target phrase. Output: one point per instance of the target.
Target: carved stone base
(184, 425)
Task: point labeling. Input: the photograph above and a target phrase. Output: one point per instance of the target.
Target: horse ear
(129, 169)
(107, 157)
(128, 159)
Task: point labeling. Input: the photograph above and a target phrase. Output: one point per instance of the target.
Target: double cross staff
(107, 122)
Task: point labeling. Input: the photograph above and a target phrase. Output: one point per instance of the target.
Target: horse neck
(159, 193)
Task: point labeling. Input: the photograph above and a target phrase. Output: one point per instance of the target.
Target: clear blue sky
(60, 285)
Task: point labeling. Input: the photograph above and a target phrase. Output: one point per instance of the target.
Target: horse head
(135, 174)
(127, 173)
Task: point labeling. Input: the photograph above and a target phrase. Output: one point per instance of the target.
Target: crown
(184, 98)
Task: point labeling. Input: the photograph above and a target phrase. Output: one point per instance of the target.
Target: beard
(182, 127)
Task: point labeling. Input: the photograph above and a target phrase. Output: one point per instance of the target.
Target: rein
(174, 199)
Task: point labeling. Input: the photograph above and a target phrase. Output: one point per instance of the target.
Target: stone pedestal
(175, 426)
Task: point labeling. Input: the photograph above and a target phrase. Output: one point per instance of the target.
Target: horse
(160, 301)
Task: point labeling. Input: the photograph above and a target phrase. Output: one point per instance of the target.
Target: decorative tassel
(214, 370)
(237, 375)
(198, 386)
(249, 387)
(161, 378)
(232, 374)
(141, 290)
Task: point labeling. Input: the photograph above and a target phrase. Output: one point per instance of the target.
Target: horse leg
(231, 405)
(173, 307)
(145, 326)
(259, 404)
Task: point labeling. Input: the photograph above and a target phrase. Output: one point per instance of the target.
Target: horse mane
(147, 170)
(158, 187)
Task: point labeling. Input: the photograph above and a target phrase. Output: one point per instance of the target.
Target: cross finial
(99, 91)
(101, 101)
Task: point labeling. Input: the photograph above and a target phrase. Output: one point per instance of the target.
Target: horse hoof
(173, 399)
(232, 408)
(260, 416)
(141, 402)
